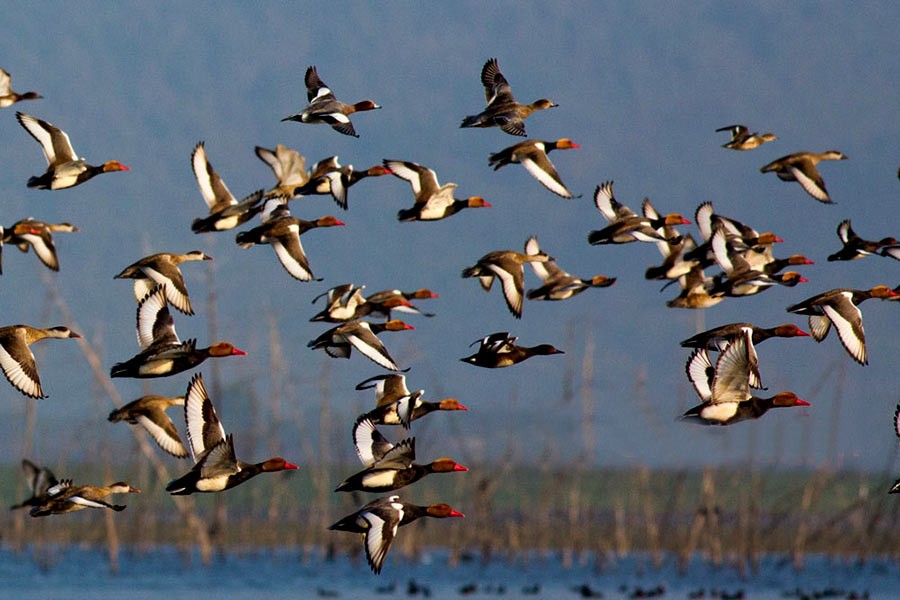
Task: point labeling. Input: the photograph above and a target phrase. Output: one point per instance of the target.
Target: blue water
(72, 573)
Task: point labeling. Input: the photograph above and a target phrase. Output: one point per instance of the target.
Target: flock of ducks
(742, 256)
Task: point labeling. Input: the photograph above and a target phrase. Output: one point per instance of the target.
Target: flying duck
(17, 360)
(9, 97)
(150, 413)
(801, 167)
(532, 154)
(225, 212)
(162, 353)
(324, 108)
(64, 168)
(338, 341)
(725, 389)
(216, 468)
(39, 480)
(162, 269)
(502, 110)
(506, 265)
(840, 307)
(432, 200)
(64, 498)
(500, 350)
(557, 284)
(742, 139)
(379, 520)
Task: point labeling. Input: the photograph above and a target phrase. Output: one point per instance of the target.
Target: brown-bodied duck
(150, 413)
(506, 265)
(162, 269)
(17, 360)
(502, 110)
(840, 307)
(558, 284)
(37, 235)
(336, 180)
(7, 96)
(801, 167)
(282, 231)
(532, 154)
(324, 108)
(289, 168)
(38, 480)
(64, 497)
(64, 168)
(742, 139)
(362, 335)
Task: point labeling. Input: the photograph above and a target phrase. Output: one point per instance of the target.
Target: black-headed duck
(500, 350)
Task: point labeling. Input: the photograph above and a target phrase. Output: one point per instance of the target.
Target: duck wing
(54, 141)
(204, 430)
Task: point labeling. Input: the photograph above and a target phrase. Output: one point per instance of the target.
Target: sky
(641, 87)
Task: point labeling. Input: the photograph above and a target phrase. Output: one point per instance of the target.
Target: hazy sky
(640, 86)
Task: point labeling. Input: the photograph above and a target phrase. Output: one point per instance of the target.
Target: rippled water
(73, 573)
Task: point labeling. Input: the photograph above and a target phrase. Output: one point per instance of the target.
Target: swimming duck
(855, 247)
(216, 468)
(502, 110)
(31, 233)
(396, 405)
(64, 498)
(64, 168)
(432, 201)
(840, 307)
(17, 360)
(379, 520)
(162, 269)
(532, 154)
(150, 413)
(559, 285)
(725, 390)
(625, 225)
(289, 168)
(742, 139)
(801, 167)
(324, 108)
(395, 470)
(162, 353)
(338, 341)
(507, 266)
(9, 97)
(225, 212)
(39, 480)
(500, 350)
(337, 179)
(282, 231)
